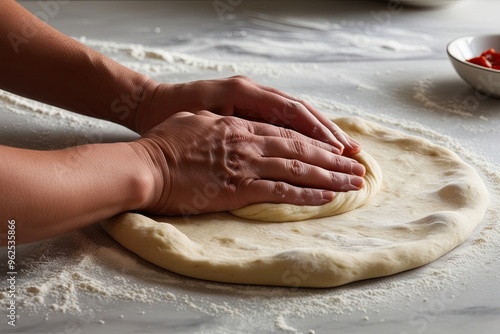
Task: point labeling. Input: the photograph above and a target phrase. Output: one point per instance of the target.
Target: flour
(281, 324)
(84, 271)
(154, 60)
(423, 93)
(27, 107)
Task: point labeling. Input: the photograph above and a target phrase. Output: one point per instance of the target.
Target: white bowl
(483, 79)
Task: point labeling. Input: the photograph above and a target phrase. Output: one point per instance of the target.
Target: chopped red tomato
(489, 58)
(481, 61)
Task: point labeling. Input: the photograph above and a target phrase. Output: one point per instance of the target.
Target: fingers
(262, 191)
(351, 146)
(266, 130)
(310, 154)
(304, 118)
(303, 148)
(299, 161)
(299, 173)
(252, 162)
(288, 144)
(276, 109)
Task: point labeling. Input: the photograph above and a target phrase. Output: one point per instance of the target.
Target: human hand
(242, 97)
(204, 162)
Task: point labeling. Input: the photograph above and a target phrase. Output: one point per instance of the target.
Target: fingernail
(338, 147)
(358, 169)
(354, 145)
(341, 149)
(336, 150)
(327, 195)
(357, 182)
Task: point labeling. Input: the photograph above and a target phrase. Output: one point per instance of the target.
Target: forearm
(50, 193)
(38, 62)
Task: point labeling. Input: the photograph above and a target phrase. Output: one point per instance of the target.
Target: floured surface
(131, 295)
(429, 203)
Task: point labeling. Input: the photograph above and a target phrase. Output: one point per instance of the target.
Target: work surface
(367, 59)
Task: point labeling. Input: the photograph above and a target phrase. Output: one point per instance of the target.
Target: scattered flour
(84, 272)
(40, 110)
(424, 93)
(282, 325)
(154, 60)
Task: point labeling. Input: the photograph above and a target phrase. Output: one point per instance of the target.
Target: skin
(205, 146)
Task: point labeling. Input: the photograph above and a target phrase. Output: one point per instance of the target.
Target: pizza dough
(429, 203)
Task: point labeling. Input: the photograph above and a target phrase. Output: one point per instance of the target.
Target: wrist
(150, 178)
(152, 108)
(121, 173)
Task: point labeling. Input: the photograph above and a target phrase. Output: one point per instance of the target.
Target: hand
(240, 96)
(204, 162)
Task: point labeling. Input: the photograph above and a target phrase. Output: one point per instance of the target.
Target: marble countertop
(367, 58)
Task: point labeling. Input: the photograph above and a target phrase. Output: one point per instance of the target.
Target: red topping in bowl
(489, 58)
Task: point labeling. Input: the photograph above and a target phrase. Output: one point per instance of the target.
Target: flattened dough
(429, 203)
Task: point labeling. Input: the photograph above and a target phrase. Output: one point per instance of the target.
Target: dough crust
(428, 203)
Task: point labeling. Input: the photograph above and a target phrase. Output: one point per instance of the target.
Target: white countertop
(347, 58)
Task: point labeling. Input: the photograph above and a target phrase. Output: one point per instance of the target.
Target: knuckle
(238, 82)
(231, 122)
(340, 181)
(299, 147)
(279, 189)
(294, 105)
(301, 102)
(306, 195)
(234, 161)
(336, 178)
(286, 133)
(204, 113)
(295, 167)
(236, 138)
(338, 161)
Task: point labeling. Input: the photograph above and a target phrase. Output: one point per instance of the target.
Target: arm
(50, 193)
(38, 62)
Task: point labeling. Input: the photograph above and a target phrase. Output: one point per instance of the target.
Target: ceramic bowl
(482, 79)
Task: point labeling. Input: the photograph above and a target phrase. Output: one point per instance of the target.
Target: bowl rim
(465, 62)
